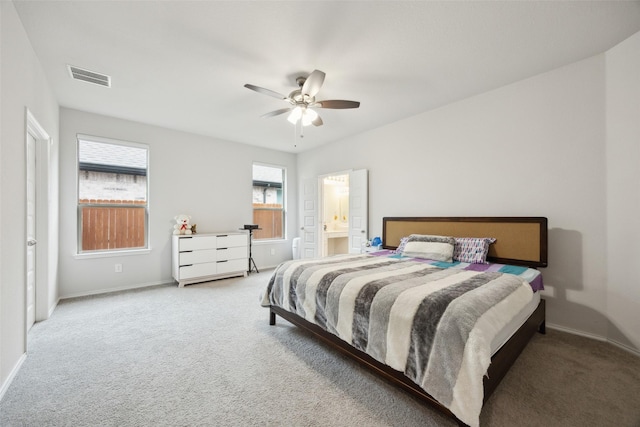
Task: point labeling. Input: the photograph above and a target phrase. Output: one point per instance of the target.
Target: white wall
(623, 191)
(532, 148)
(209, 179)
(22, 86)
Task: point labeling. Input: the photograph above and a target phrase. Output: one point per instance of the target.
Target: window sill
(108, 254)
(267, 241)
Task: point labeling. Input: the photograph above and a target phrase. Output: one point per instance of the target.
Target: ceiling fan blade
(337, 104)
(265, 91)
(317, 121)
(313, 83)
(276, 112)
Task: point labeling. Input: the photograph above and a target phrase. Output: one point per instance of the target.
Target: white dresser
(208, 256)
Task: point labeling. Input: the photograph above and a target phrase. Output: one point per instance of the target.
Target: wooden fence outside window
(269, 217)
(119, 224)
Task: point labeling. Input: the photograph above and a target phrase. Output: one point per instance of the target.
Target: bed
(445, 330)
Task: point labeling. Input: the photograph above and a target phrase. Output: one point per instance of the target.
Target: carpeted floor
(205, 355)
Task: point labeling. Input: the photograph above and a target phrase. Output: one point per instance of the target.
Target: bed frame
(519, 241)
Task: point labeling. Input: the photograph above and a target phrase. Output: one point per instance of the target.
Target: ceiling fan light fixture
(303, 100)
(295, 115)
(308, 116)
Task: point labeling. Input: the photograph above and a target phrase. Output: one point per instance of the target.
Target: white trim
(121, 288)
(43, 230)
(53, 307)
(621, 346)
(268, 241)
(113, 253)
(575, 332)
(269, 267)
(594, 337)
(12, 375)
(34, 126)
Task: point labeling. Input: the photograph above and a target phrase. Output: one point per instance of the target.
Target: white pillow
(437, 248)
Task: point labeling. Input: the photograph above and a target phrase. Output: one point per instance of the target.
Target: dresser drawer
(198, 257)
(232, 266)
(231, 240)
(231, 253)
(198, 270)
(197, 242)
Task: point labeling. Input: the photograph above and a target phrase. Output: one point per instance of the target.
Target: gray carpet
(205, 355)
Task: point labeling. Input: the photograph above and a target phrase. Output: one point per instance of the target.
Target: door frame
(42, 232)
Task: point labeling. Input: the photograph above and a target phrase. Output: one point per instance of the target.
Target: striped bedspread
(435, 324)
(531, 275)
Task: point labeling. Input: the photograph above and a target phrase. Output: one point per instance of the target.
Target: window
(112, 195)
(268, 201)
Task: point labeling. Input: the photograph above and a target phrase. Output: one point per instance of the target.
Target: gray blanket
(433, 324)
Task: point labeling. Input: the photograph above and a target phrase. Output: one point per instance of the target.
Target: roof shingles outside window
(111, 172)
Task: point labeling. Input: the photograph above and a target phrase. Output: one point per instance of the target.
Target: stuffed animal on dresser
(182, 224)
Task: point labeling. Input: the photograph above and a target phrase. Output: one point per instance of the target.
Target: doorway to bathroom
(312, 220)
(345, 214)
(334, 215)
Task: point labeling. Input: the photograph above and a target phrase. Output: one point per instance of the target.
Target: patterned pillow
(472, 249)
(438, 248)
(403, 243)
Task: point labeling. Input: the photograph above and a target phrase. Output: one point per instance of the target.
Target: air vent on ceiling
(89, 76)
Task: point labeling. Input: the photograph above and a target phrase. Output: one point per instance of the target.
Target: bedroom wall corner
(623, 192)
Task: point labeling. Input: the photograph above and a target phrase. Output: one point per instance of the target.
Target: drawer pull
(226, 260)
(186, 265)
(222, 235)
(222, 249)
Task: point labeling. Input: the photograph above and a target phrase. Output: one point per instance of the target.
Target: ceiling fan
(303, 100)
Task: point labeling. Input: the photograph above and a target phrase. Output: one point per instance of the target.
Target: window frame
(80, 253)
(284, 202)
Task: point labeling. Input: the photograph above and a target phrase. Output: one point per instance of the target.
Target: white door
(309, 227)
(358, 210)
(31, 231)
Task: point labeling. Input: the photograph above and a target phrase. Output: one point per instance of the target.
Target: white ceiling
(183, 64)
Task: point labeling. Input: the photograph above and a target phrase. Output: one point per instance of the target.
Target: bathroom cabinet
(335, 242)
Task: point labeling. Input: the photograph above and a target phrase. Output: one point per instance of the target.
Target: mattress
(507, 332)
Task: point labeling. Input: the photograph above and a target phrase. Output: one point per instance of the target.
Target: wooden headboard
(519, 240)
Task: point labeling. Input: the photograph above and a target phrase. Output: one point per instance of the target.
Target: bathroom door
(358, 210)
(309, 227)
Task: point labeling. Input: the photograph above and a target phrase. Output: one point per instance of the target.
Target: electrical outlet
(118, 268)
(273, 251)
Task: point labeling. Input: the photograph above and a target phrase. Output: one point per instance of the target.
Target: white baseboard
(118, 289)
(575, 332)
(631, 350)
(52, 308)
(12, 375)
